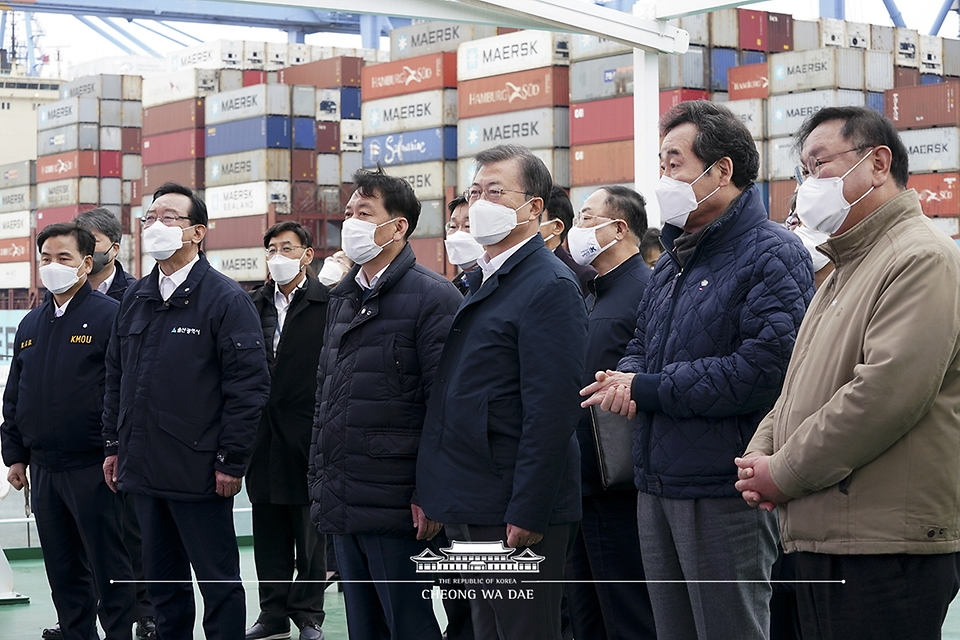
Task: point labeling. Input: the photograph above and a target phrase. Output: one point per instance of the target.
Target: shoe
(147, 628)
(261, 632)
(52, 633)
(311, 631)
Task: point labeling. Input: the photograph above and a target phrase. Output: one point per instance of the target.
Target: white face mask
(161, 241)
(491, 222)
(584, 246)
(330, 273)
(284, 269)
(462, 249)
(811, 238)
(57, 277)
(677, 199)
(820, 202)
(356, 238)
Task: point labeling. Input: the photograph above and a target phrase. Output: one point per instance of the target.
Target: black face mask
(100, 260)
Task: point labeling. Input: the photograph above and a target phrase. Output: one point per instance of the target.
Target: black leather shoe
(147, 628)
(261, 632)
(52, 633)
(311, 631)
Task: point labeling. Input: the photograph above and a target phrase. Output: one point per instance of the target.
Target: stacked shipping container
(17, 229)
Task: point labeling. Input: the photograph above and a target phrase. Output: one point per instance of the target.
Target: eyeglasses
(285, 251)
(581, 217)
(452, 227)
(168, 220)
(812, 166)
(492, 195)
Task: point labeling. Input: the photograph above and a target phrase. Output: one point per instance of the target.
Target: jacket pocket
(392, 443)
(181, 455)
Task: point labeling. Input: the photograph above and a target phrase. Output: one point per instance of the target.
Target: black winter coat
(121, 282)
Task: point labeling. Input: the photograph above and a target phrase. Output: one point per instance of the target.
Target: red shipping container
(670, 99)
(779, 32)
(331, 73)
(136, 191)
(189, 173)
(130, 141)
(111, 164)
(749, 82)
(304, 199)
(601, 121)
(125, 219)
(753, 29)
(939, 193)
(253, 77)
(173, 147)
(328, 137)
(72, 164)
(781, 191)
(423, 73)
(429, 252)
(605, 163)
(235, 233)
(173, 116)
(16, 249)
(923, 107)
(303, 165)
(53, 215)
(905, 77)
(547, 87)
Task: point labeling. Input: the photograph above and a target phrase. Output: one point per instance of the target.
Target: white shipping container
(328, 169)
(230, 80)
(584, 47)
(82, 137)
(950, 226)
(219, 54)
(517, 51)
(351, 135)
(15, 275)
(126, 193)
(428, 179)
(258, 165)
(103, 86)
(247, 199)
(410, 112)
(951, 57)
(303, 101)
(882, 38)
(878, 70)
(241, 265)
(830, 67)
(276, 55)
(806, 35)
(249, 102)
(533, 129)
(931, 54)
(17, 174)
(131, 167)
(684, 71)
(781, 158)
(60, 193)
(907, 48)
(18, 198)
(110, 113)
(725, 29)
(67, 112)
(321, 53)
(328, 105)
(131, 87)
(833, 32)
(350, 163)
(16, 224)
(131, 114)
(932, 150)
(785, 113)
(433, 37)
(110, 139)
(298, 53)
(858, 35)
(601, 78)
(698, 26)
(111, 191)
(182, 85)
(433, 217)
(254, 54)
(751, 113)
(557, 162)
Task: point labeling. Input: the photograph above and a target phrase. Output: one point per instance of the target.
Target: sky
(77, 43)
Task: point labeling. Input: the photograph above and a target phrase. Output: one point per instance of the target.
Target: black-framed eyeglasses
(812, 166)
(285, 251)
(492, 195)
(168, 220)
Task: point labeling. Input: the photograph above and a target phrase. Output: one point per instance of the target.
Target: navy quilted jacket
(714, 339)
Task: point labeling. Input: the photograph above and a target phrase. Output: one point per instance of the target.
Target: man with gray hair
(499, 461)
(108, 276)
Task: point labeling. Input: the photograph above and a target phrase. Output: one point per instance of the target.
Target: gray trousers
(708, 561)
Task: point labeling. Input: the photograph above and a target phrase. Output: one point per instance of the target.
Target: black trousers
(83, 554)
(131, 540)
(179, 534)
(891, 596)
(284, 541)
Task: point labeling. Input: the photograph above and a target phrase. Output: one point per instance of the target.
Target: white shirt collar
(361, 278)
(179, 276)
(280, 300)
(104, 286)
(59, 311)
(490, 266)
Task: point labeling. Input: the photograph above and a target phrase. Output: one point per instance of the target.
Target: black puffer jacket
(376, 369)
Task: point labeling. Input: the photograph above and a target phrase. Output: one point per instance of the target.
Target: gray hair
(101, 220)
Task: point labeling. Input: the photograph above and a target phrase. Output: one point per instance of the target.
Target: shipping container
(428, 179)
(350, 163)
(111, 164)
(752, 114)
(779, 32)
(233, 233)
(725, 29)
(749, 82)
(951, 57)
(858, 35)
(248, 102)
(950, 226)
(806, 35)
(907, 48)
(276, 56)
(875, 100)
(584, 47)
(721, 60)
(697, 26)
(131, 87)
(905, 77)
(753, 30)
(827, 68)
(685, 71)
(785, 113)
(303, 165)
(328, 169)
(189, 173)
(922, 107)
(781, 158)
(111, 192)
(601, 78)
(55, 215)
(877, 70)
(219, 54)
(939, 193)
(174, 116)
(60, 193)
(410, 146)
(303, 199)
(429, 253)
(253, 76)
(546, 87)
(670, 99)
(518, 51)
(434, 37)
(254, 54)
(298, 53)
(931, 150)
(75, 137)
(130, 140)
(173, 147)
(131, 113)
(303, 101)
(182, 85)
(833, 32)
(533, 129)
(16, 249)
(259, 165)
(243, 265)
(111, 139)
(332, 73)
(247, 199)
(338, 104)
(351, 135)
(110, 113)
(883, 38)
(66, 112)
(424, 110)
(328, 137)
(304, 134)
(931, 54)
(104, 87)
(605, 163)
(16, 275)
(230, 80)
(18, 174)
(16, 224)
(267, 132)
(423, 73)
(601, 121)
(781, 192)
(433, 216)
(930, 78)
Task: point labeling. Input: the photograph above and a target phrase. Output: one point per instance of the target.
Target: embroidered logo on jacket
(187, 330)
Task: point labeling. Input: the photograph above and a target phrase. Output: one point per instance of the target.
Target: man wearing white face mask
(556, 225)
(713, 337)
(386, 323)
(51, 422)
(462, 248)
(859, 455)
(186, 381)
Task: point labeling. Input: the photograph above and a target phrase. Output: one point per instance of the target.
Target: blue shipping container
(305, 133)
(765, 195)
(350, 103)
(720, 61)
(875, 100)
(265, 132)
(930, 78)
(752, 57)
(411, 146)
